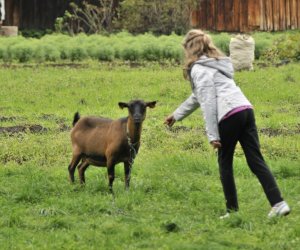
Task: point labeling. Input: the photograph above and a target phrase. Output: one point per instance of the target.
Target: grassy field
(175, 198)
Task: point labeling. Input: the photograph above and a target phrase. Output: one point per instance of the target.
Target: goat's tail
(76, 118)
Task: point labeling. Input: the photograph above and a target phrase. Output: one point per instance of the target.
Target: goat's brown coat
(104, 142)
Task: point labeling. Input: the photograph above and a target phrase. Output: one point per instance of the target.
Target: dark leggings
(241, 127)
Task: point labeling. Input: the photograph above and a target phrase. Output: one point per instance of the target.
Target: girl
(228, 116)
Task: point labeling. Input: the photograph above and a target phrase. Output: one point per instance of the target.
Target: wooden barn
(34, 14)
(214, 15)
(247, 15)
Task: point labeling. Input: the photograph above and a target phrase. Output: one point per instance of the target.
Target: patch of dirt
(48, 117)
(133, 64)
(8, 158)
(70, 65)
(61, 122)
(82, 102)
(272, 64)
(290, 79)
(282, 110)
(276, 132)
(183, 129)
(23, 129)
(55, 65)
(7, 119)
(271, 132)
(63, 127)
(177, 129)
(51, 117)
(171, 227)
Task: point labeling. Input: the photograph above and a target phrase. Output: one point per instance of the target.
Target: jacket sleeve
(205, 92)
(186, 108)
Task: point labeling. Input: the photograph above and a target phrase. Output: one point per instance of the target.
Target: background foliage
(127, 47)
(285, 47)
(158, 17)
(135, 16)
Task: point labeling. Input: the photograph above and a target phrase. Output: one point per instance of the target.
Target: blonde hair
(196, 44)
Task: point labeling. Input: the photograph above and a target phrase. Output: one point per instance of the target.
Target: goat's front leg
(127, 171)
(111, 176)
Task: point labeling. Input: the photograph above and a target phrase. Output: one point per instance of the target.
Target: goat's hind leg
(81, 170)
(111, 176)
(74, 162)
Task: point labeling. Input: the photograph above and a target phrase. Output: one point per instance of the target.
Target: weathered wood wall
(39, 14)
(35, 14)
(218, 15)
(247, 15)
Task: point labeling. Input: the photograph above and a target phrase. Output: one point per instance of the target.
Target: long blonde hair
(196, 44)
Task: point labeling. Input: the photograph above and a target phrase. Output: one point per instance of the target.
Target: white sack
(241, 50)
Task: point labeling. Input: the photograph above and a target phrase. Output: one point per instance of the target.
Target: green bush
(289, 47)
(222, 41)
(125, 46)
(2, 51)
(263, 42)
(7, 56)
(261, 47)
(51, 52)
(105, 53)
(23, 52)
(151, 52)
(286, 47)
(40, 54)
(172, 53)
(78, 53)
(159, 17)
(131, 53)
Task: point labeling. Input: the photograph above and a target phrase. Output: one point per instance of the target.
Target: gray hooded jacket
(214, 90)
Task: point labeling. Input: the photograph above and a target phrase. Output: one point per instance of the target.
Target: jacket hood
(223, 65)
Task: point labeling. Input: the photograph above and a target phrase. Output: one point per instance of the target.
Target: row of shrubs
(123, 46)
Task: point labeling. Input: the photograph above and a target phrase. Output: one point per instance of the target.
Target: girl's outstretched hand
(216, 144)
(170, 120)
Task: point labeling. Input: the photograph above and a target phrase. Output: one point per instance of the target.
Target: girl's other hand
(216, 144)
(170, 120)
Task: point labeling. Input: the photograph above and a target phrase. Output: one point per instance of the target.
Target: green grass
(175, 197)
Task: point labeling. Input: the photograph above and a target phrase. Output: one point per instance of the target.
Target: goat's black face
(137, 109)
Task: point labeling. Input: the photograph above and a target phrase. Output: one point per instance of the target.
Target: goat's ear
(123, 105)
(151, 104)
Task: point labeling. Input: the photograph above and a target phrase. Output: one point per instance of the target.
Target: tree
(89, 18)
(157, 16)
(135, 16)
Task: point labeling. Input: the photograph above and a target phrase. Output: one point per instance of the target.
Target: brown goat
(104, 142)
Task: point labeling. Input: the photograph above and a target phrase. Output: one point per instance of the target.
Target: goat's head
(137, 109)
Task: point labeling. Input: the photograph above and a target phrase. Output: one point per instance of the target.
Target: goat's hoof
(82, 183)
